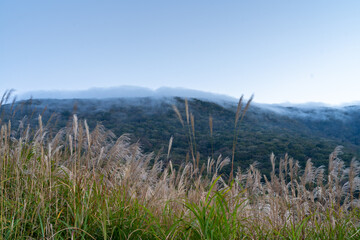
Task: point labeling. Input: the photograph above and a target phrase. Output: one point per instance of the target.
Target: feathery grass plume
(88, 137)
(6, 96)
(190, 128)
(169, 148)
(12, 109)
(211, 125)
(211, 136)
(247, 107)
(353, 180)
(176, 110)
(75, 128)
(209, 166)
(4, 99)
(187, 110)
(238, 111)
(193, 131)
(239, 115)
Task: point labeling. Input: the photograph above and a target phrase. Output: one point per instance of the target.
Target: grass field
(82, 184)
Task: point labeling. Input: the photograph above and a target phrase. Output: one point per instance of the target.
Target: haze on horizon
(283, 51)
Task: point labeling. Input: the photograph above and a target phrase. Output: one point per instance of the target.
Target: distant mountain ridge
(126, 92)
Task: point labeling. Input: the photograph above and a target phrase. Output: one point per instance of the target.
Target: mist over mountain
(315, 112)
(126, 92)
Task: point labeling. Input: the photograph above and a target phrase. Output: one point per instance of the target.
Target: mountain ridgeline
(301, 132)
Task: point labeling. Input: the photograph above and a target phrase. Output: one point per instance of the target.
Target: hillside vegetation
(302, 133)
(83, 182)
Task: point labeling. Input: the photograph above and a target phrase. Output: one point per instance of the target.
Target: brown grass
(83, 184)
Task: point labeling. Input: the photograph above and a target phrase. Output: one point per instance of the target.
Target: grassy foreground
(78, 184)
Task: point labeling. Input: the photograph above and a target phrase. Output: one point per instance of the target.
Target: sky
(282, 51)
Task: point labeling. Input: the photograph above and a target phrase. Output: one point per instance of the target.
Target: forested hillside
(301, 132)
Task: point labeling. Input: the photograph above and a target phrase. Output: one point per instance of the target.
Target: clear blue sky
(295, 51)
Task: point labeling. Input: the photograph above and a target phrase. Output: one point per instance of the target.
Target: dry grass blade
(176, 110)
(238, 110)
(6, 96)
(4, 99)
(247, 106)
(237, 116)
(187, 111)
(193, 131)
(211, 125)
(170, 145)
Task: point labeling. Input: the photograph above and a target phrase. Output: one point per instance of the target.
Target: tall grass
(82, 184)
